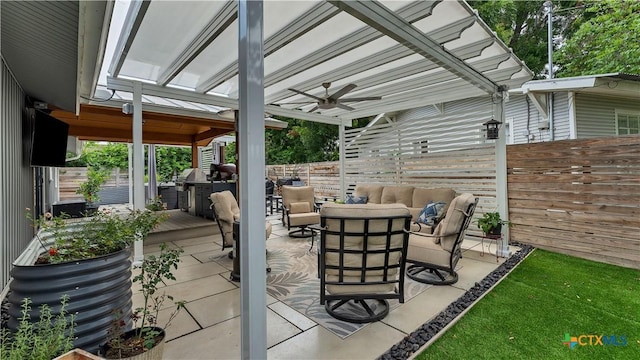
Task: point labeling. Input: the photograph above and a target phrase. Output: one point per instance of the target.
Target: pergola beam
(214, 100)
(396, 52)
(396, 27)
(298, 27)
(223, 19)
(413, 12)
(132, 22)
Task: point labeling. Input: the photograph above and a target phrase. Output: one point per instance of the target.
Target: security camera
(127, 108)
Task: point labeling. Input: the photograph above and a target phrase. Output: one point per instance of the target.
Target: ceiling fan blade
(296, 102)
(344, 107)
(305, 94)
(361, 99)
(342, 91)
(314, 109)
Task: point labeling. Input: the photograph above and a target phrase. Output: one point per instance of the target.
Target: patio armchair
(226, 211)
(362, 259)
(299, 210)
(433, 257)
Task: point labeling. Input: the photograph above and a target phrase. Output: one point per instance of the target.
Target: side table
(491, 238)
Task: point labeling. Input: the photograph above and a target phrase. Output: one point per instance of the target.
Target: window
(627, 123)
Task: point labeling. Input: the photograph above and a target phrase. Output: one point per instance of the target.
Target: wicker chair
(433, 257)
(362, 259)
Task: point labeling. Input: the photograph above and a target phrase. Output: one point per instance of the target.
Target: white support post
(501, 176)
(253, 297)
(130, 171)
(138, 165)
(343, 187)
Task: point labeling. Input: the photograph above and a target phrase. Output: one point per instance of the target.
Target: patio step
(182, 225)
(170, 235)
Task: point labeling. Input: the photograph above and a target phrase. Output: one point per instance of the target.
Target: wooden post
(194, 155)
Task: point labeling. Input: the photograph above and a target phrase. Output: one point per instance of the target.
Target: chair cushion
(356, 242)
(422, 249)
(296, 194)
(226, 209)
(372, 192)
(299, 207)
(351, 199)
(397, 195)
(307, 218)
(431, 213)
(447, 230)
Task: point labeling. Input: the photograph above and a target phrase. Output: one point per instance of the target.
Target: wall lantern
(492, 128)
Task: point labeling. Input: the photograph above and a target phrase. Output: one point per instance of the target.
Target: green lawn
(548, 295)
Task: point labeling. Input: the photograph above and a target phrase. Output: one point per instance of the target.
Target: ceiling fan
(335, 100)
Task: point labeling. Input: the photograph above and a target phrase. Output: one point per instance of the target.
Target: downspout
(549, 5)
(573, 128)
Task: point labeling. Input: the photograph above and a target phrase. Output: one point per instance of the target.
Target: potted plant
(147, 337)
(47, 338)
(87, 259)
(90, 188)
(491, 223)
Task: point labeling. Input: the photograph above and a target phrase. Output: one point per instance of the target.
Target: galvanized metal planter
(96, 288)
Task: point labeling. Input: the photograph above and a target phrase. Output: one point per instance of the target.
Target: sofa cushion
(432, 213)
(372, 192)
(421, 228)
(351, 199)
(422, 196)
(397, 195)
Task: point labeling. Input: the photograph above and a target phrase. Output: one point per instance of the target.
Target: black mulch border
(414, 341)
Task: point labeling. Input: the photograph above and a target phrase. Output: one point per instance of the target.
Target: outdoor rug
(294, 281)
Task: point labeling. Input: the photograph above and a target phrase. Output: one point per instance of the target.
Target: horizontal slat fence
(70, 179)
(578, 197)
(323, 176)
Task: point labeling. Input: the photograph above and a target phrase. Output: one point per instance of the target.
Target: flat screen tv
(49, 140)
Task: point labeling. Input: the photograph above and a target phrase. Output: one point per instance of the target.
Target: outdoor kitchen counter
(199, 192)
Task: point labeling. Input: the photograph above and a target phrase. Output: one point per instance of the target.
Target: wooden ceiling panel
(100, 123)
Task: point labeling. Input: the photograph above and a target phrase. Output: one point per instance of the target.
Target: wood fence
(70, 179)
(578, 197)
(323, 176)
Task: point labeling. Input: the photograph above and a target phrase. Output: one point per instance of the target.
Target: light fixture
(492, 128)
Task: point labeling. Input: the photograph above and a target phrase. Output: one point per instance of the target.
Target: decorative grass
(548, 295)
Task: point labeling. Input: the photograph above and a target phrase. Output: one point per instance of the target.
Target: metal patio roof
(410, 53)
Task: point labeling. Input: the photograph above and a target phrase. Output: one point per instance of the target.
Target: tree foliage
(521, 25)
(607, 39)
(170, 160)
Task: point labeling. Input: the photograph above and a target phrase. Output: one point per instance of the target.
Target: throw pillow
(356, 199)
(431, 213)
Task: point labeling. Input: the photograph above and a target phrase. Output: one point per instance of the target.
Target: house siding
(516, 114)
(595, 115)
(16, 176)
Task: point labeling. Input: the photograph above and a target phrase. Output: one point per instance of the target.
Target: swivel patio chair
(299, 210)
(362, 259)
(433, 257)
(226, 211)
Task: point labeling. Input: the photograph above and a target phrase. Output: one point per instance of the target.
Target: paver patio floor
(209, 327)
